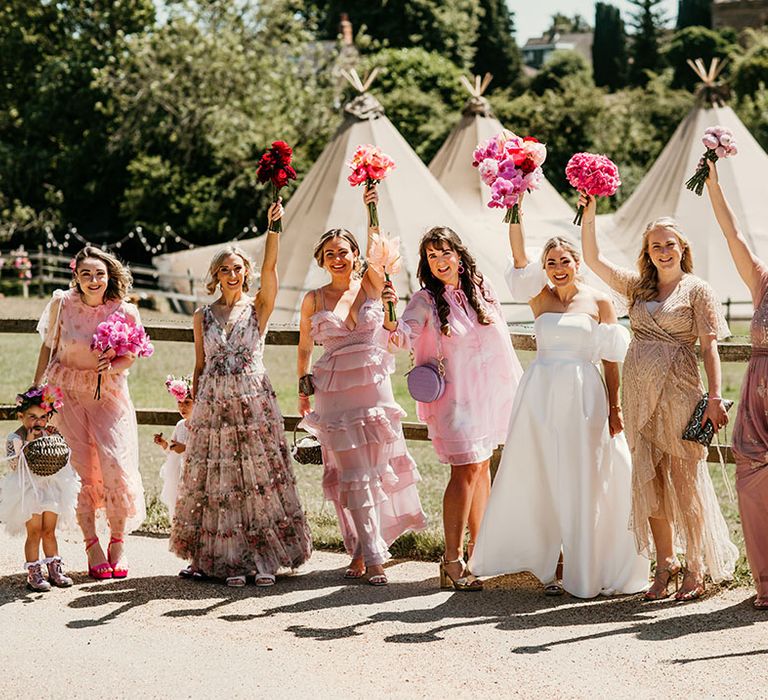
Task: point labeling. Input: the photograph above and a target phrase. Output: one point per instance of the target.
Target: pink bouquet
(123, 336)
(719, 143)
(179, 387)
(592, 174)
(370, 166)
(510, 166)
(385, 259)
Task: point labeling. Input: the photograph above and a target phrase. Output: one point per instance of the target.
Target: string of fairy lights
(159, 244)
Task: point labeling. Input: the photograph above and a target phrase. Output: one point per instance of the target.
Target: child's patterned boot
(56, 573)
(35, 579)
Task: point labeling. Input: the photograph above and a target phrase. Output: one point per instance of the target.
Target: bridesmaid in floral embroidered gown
(750, 433)
(238, 510)
(674, 505)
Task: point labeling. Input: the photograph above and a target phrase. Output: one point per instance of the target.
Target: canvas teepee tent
(411, 201)
(662, 193)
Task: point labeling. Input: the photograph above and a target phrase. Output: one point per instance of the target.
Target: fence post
(40, 272)
(191, 282)
(728, 310)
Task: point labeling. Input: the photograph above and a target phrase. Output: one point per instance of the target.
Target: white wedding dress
(563, 483)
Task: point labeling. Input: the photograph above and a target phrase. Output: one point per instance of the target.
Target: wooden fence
(289, 335)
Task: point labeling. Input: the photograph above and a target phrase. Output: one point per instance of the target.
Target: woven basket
(47, 455)
(307, 450)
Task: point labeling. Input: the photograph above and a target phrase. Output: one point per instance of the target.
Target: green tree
(559, 66)
(753, 111)
(692, 43)
(495, 49)
(691, 13)
(609, 48)
(447, 27)
(563, 24)
(421, 94)
(648, 22)
(750, 71)
(197, 100)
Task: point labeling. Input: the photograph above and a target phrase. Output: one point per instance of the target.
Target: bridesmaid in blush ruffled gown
(750, 433)
(368, 473)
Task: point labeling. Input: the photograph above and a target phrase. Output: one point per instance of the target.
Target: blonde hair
(211, 283)
(119, 278)
(647, 286)
(345, 235)
(560, 242)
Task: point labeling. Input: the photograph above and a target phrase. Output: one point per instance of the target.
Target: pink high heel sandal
(100, 571)
(121, 572)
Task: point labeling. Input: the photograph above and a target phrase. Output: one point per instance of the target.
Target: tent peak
(480, 85)
(477, 105)
(361, 85)
(364, 107)
(711, 91)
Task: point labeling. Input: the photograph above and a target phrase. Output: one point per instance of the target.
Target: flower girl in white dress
(563, 486)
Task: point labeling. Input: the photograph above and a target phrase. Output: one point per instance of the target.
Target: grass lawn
(18, 354)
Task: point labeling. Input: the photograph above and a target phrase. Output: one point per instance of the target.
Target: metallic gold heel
(467, 582)
(673, 574)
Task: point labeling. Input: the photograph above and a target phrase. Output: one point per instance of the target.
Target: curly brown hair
(119, 278)
(470, 279)
(349, 237)
(646, 287)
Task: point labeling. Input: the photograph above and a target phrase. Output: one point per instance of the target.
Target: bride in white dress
(563, 485)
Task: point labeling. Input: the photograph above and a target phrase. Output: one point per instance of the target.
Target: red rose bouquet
(275, 167)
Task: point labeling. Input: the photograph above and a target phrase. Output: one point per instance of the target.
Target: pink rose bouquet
(719, 143)
(369, 166)
(385, 259)
(124, 337)
(509, 165)
(592, 174)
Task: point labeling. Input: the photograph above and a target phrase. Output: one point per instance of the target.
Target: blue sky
(532, 17)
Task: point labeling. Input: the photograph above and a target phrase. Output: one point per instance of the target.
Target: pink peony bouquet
(592, 174)
(384, 257)
(123, 336)
(369, 166)
(179, 387)
(509, 165)
(719, 143)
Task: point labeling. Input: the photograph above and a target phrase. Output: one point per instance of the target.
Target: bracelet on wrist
(616, 405)
(714, 398)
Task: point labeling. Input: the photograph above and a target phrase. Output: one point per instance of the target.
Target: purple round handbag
(426, 383)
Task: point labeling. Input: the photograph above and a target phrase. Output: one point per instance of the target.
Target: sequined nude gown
(238, 510)
(660, 389)
(750, 445)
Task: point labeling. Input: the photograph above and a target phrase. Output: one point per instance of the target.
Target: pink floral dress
(470, 420)
(102, 434)
(750, 445)
(238, 509)
(368, 473)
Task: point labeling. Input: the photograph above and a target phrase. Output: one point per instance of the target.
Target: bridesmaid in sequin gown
(750, 433)
(674, 505)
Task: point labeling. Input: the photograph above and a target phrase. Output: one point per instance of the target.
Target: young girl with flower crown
(37, 503)
(98, 419)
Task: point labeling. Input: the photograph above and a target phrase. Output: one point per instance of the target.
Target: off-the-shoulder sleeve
(622, 280)
(525, 282)
(611, 342)
(47, 326)
(708, 312)
(412, 323)
(132, 311)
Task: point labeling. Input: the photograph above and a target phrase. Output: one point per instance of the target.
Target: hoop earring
(461, 267)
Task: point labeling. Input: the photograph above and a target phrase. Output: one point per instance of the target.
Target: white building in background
(537, 50)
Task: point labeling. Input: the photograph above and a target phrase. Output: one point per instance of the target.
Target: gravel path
(156, 636)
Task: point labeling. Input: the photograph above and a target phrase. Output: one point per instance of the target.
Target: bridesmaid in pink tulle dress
(750, 433)
(101, 433)
(368, 473)
(238, 511)
(457, 315)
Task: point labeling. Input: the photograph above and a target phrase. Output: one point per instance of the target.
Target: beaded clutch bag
(695, 431)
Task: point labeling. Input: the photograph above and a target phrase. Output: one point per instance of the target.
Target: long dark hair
(470, 279)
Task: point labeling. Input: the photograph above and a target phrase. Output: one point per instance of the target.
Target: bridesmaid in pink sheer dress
(750, 433)
(457, 315)
(101, 433)
(368, 473)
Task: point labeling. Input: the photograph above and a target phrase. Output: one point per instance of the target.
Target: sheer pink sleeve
(47, 326)
(412, 323)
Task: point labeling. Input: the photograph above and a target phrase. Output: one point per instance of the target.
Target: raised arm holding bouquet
(369, 166)
(719, 143)
(592, 174)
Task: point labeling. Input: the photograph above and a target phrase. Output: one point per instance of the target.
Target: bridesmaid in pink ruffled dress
(368, 473)
(101, 433)
(750, 433)
(457, 315)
